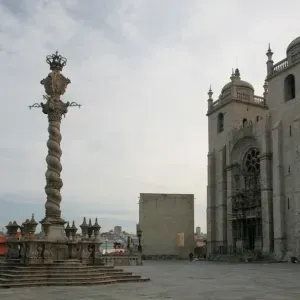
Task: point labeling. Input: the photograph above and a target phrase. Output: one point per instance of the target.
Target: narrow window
(289, 169)
(289, 87)
(257, 118)
(244, 122)
(288, 203)
(220, 122)
(290, 130)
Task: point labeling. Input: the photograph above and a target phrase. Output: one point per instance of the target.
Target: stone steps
(90, 270)
(66, 279)
(63, 266)
(59, 269)
(61, 274)
(71, 283)
(56, 273)
(19, 276)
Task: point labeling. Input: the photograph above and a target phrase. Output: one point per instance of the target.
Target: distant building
(198, 231)
(117, 230)
(167, 224)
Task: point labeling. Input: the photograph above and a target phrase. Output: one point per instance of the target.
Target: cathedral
(253, 189)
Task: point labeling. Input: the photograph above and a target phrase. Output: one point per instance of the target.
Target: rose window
(251, 162)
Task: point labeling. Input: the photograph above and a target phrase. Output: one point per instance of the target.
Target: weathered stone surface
(70, 273)
(181, 280)
(161, 218)
(262, 216)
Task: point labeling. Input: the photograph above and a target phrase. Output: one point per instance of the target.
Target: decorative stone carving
(31, 225)
(73, 231)
(84, 228)
(68, 230)
(53, 245)
(90, 229)
(96, 229)
(55, 85)
(54, 167)
(73, 250)
(32, 253)
(46, 225)
(13, 251)
(23, 250)
(84, 252)
(47, 254)
(12, 229)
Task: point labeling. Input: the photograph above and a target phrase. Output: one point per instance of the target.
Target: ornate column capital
(55, 109)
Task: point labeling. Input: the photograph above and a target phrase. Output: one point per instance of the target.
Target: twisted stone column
(54, 110)
(55, 85)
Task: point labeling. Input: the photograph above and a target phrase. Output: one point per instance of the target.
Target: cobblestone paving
(184, 280)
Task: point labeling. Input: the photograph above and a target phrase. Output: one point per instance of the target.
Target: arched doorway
(246, 202)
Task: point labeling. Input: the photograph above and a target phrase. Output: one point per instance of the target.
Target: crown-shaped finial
(56, 61)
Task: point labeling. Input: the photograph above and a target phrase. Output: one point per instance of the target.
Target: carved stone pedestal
(54, 230)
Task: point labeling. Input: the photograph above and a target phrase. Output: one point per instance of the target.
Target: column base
(55, 230)
(279, 248)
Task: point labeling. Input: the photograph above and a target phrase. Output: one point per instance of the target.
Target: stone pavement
(180, 280)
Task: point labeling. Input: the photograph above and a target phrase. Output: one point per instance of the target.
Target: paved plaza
(180, 280)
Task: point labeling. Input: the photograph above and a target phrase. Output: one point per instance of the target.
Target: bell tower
(236, 105)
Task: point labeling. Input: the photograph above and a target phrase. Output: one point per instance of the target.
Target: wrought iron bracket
(35, 105)
(73, 104)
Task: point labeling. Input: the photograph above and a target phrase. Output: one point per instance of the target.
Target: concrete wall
(161, 217)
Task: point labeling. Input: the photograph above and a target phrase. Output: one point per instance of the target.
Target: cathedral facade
(253, 191)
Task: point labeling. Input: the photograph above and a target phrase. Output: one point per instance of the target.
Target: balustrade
(259, 100)
(242, 96)
(32, 249)
(281, 65)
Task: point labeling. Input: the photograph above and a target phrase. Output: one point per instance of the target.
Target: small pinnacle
(269, 52)
(210, 93)
(237, 73)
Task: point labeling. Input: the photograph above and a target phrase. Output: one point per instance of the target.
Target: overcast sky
(141, 69)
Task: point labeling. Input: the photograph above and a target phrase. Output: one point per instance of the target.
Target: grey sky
(141, 69)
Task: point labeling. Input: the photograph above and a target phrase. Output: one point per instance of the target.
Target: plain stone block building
(162, 218)
(253, 192)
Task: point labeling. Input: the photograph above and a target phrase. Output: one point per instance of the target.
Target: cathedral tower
(284, 105)
(237, 106)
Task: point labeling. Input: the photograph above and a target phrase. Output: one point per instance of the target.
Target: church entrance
(246, 232)
(246, 203)
(250, 234)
